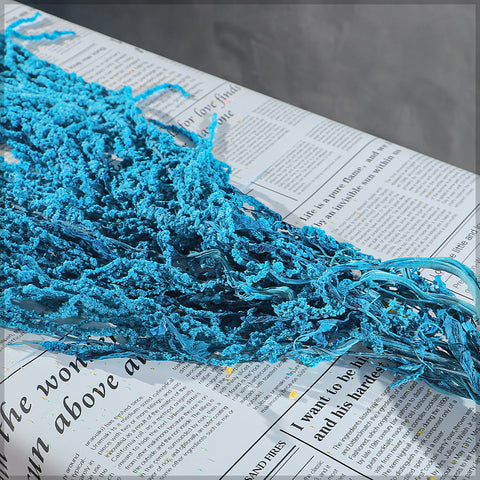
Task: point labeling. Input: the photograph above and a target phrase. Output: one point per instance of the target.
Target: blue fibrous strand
(110, 228)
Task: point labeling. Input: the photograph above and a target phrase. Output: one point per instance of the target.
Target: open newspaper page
(120, 418)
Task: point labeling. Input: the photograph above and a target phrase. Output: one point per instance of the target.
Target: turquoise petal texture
(109, 228)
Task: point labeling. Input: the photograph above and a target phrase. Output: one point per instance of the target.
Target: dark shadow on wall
(402, 72)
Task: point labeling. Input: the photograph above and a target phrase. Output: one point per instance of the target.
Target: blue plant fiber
(110, 228)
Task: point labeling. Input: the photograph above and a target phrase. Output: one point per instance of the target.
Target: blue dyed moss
(112, 229)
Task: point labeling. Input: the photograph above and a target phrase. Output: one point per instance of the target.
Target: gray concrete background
(404, 72)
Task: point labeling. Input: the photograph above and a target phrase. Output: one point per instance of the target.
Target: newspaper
(62, 417)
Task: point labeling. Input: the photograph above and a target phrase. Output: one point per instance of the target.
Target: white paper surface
(122, 418)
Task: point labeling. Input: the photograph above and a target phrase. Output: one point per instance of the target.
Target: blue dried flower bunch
(110, 228)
